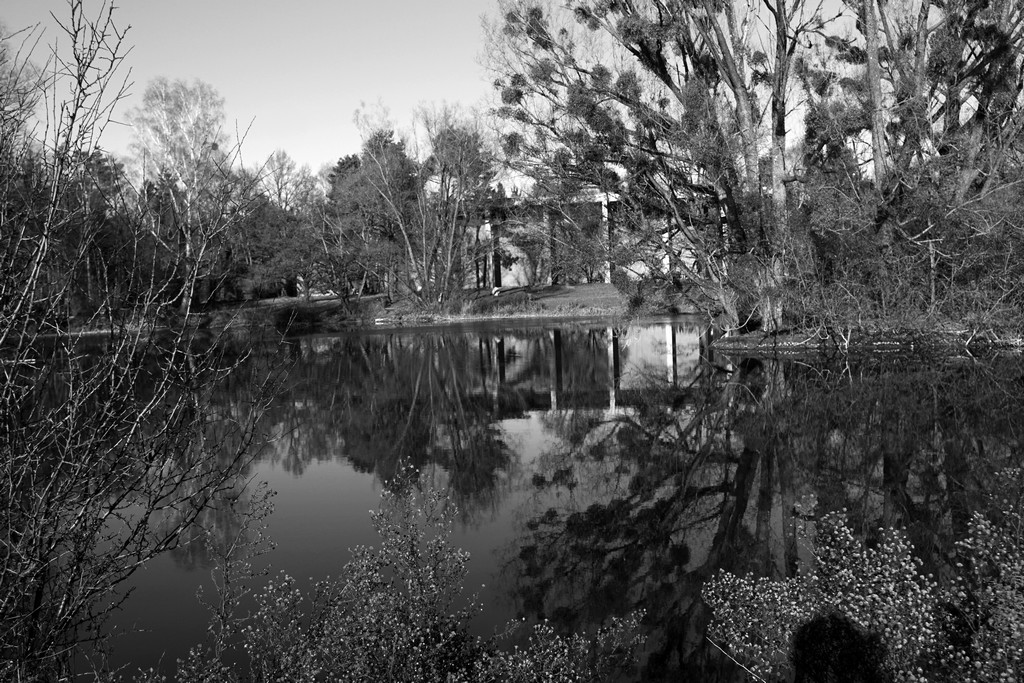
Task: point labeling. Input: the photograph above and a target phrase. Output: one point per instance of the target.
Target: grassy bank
(332, 314)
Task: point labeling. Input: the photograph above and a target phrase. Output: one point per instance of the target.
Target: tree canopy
(790, 163)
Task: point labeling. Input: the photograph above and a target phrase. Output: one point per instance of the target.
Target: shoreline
(897, 342)
(595, 303)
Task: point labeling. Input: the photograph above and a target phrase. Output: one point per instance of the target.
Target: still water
(596, 469)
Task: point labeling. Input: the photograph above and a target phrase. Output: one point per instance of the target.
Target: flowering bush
(972, 630)
(553, 658)
(881, 589)
(757, 618)
(391, 616)
(984, 616)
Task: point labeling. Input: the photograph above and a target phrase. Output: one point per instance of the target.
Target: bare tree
(291, 187)
(428, 203)
(185, 155)
(107, 449)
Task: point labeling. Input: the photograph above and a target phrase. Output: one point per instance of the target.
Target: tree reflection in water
(637, 508)
(636, 464)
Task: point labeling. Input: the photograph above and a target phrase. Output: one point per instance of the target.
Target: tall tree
(691, 114)
(660, 102)
(937, 234)
(879, 147)
(183, 152)
(416, 213)
(290, 186)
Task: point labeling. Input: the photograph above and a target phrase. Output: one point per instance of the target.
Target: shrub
(551, 657)
(874, 604)
(879, 589)
(506, 303)
(983, 616)
(398, 613)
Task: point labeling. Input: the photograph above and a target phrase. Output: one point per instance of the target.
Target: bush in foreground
(394, 615)
(872, 606)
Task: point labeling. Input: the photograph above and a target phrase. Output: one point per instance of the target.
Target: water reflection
(648, 504)
(599, 470)
(386, 402)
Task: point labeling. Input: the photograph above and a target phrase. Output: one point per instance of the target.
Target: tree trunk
(552, 249)
(879, 148)
(780, 242)
(496, 254)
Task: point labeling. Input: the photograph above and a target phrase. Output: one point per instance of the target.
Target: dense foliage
(407, 224)
(782, 163)
(769, 163)
(903, 624)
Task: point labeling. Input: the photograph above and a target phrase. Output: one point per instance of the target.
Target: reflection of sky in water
(658, 469)
(317, 517)
(322, 500)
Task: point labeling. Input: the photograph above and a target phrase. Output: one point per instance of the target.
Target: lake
(596, 469)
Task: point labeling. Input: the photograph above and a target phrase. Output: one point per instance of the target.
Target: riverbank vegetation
(768, 166)
(772, 166)
(109, 451)
(291, 315)
(806, 166)
(872, 614)
(397, 612)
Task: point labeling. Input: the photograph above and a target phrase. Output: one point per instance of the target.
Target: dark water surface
(598, 470)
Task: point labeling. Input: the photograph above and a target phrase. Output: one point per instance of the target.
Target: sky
(296, 69)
